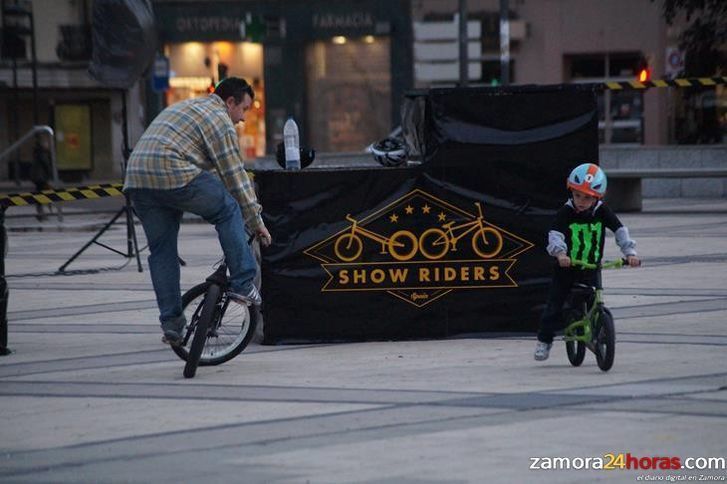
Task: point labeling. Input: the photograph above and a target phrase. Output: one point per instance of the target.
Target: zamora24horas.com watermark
(628, 461)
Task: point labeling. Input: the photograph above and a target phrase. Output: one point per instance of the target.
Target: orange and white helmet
(589, 179)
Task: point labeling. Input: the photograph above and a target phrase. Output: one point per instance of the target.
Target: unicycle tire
(605, 340)
(199, 338)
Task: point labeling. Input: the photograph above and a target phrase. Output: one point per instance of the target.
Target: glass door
(349, 92)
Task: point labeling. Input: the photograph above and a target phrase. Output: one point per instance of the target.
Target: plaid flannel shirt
(186, 138)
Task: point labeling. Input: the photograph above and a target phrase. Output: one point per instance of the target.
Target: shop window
(195, 69)
(349, 92)
(621, 113)
(700, 115)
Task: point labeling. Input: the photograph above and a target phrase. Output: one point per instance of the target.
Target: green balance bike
(589, 323)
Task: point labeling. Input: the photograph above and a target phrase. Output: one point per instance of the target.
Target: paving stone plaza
(89, 393)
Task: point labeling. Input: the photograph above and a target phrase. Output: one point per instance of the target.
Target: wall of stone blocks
(670, 157)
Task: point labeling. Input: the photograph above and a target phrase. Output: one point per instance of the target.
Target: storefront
(339, 68)
(198, 66)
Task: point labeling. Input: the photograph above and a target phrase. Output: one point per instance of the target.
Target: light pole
(504, 43)
(463, 61)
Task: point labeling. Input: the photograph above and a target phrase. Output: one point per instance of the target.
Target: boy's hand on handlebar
(633, 261)
(563, 260)
(264, 236)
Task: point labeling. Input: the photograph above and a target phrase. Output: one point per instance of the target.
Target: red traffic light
(643, 70)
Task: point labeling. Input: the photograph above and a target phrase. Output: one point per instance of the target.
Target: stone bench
(624, 184)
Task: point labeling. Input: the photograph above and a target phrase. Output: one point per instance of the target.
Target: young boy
(578, 234)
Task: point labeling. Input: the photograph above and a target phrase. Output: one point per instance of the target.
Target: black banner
(454, 245)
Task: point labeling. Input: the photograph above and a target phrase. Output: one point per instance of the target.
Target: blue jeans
(160, 212)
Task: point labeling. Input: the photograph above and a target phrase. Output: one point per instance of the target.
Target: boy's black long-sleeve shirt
(581, 235)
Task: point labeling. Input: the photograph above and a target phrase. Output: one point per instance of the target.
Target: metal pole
(463, 58)
(608, 121)
(132, 245)
(16, 98)
(34, 65)
(16, 122)
(504, 43)
(125, 136)
(4, 350)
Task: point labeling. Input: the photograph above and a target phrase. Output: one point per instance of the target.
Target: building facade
(340, 68)
(85, 115)
(565, 41)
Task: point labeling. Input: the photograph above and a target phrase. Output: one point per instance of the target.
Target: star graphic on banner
(426, 208)
(409, 209)
(442, 217)
(394, 218)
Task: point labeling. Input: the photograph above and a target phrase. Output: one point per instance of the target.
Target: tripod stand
(132, 246)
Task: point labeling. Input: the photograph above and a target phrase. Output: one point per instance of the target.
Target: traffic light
(643, 70)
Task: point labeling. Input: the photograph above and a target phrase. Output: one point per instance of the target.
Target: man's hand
(264, 236)
(633, 261)
(563, 260)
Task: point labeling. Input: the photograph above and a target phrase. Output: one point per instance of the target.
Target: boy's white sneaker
(542, 351)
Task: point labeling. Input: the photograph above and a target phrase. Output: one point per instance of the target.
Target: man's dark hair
(235, 87)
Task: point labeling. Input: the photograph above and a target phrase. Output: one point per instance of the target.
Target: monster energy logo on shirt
(586, 242)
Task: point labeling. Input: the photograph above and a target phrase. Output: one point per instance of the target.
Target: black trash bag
(124, 41)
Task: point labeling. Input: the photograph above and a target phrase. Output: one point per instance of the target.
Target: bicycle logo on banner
(434, 243)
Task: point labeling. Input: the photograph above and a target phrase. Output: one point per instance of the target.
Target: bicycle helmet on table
(389, 152)
(589, 179)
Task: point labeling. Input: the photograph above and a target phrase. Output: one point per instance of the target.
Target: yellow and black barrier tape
(686, 82)
(61, 195)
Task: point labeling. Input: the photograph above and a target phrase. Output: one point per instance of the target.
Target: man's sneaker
(542, 351)
(174, 331)
(251, 297)
(171, 339)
